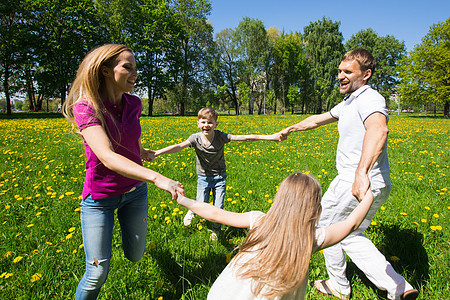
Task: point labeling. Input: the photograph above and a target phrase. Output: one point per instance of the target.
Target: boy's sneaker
(188, 218)
(214, 235)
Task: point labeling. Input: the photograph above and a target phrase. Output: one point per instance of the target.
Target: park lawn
(42, 173)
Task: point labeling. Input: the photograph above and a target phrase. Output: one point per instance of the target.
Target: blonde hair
(208, 112)
(90, 82)
(281, 243)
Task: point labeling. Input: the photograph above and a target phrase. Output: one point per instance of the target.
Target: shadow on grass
(31, 115)
(407, 245)
(196, 264)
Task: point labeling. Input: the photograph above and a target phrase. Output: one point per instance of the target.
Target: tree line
(183, 66)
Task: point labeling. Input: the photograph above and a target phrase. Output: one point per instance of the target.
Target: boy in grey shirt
(209, 146)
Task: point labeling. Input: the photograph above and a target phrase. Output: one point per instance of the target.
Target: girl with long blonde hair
(107, 117)
(272, 262)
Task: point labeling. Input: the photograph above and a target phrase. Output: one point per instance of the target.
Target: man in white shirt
(362, 163)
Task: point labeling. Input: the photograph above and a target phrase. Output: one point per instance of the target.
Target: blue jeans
(218, 185)
(97, 220)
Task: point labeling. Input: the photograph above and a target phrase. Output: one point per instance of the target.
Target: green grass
(41, 178)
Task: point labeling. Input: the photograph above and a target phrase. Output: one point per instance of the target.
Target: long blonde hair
(90, 82)
(281, 243)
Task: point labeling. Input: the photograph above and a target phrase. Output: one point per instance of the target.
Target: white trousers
(337, 203)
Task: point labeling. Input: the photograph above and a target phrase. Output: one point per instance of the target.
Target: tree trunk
(446, 109)
(150, 101)
(6, 91)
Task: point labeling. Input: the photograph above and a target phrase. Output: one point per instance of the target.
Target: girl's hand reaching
(171, 186)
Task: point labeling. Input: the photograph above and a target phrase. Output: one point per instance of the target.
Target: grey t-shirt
(210, 159)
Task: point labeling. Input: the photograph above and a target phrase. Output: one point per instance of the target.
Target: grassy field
(42, 173)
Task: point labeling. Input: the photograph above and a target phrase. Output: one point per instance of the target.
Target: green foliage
(425, 73)
(324, 52)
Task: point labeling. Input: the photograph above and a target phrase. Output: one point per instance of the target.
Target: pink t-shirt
(125, 132)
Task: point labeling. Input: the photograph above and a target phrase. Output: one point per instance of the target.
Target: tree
(226, 67)
(12, 31)
(387, 52)
(324, 51)
(425, 73)
(252, 42)
(150, 28)
(189, 63)
(288, 64)
(67, 29)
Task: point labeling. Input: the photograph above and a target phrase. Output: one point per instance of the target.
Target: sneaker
(188, 218)
(214, 235)
(409, 294)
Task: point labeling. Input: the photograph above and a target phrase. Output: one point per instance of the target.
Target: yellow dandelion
(433, 228)
(7, 206)
(8, 275)
(250, 191)
(48, 243)
(438, 227)
(382, 208)
(17, 259)
(199, 227)
(436, 215)
(81, 246)
(423, 220)
(74, 251)
(58, 251)
(155, 216)
(30, 225)
(71, 229)
(373, 223)
(77, 209)
(36, 277)
(415, 223)
(403, 213)
(427, 208)
(70, 235)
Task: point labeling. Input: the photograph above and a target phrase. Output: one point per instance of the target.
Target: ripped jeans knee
(93, 279)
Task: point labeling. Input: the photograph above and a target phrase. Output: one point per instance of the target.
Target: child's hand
(147, 154)
(283, 135)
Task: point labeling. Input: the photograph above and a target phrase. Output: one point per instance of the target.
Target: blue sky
(407, 21)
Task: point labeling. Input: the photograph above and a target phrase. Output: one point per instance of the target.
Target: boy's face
(207, 125)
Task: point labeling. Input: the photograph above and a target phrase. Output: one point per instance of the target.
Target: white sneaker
(188, 218)
(214, 235)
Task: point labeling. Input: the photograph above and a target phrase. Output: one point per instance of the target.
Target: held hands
(173, 187)
(147, 154)
(283, 134)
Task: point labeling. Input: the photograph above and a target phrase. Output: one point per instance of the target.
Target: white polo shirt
(351, 113)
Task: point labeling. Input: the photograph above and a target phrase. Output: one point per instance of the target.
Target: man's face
(351, 77)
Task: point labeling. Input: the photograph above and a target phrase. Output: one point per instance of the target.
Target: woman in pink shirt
(107, 118)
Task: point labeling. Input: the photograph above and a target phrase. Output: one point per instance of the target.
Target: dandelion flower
(427, 208)
(403, 213)
(423, 220)
(71, 229)
(436, 215)
(17, 259)
(36, 277)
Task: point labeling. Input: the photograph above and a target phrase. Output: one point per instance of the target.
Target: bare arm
(254, 137)
(374, 142)
(98, 141)
(172, 148)
(340, 230)
(215, 214)
(309, 123)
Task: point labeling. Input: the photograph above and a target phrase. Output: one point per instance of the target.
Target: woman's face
(123, 76)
